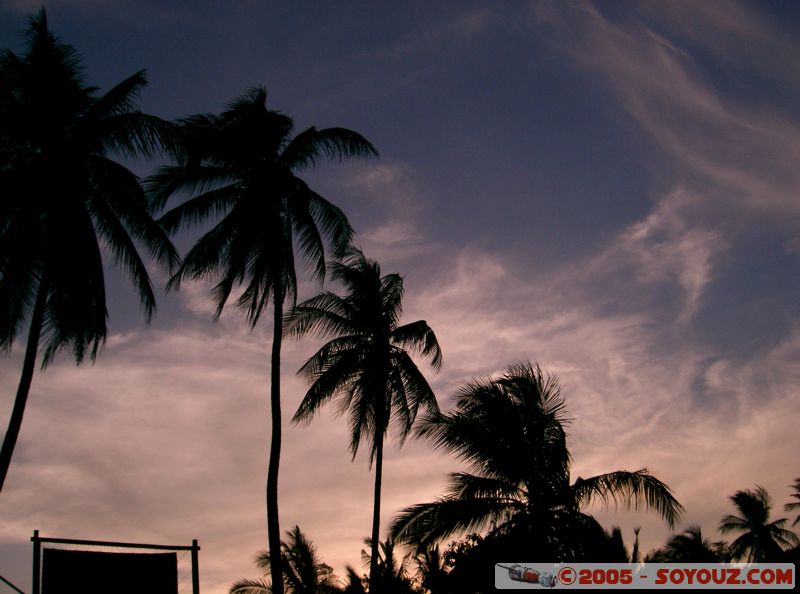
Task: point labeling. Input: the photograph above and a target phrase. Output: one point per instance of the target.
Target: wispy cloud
(395, 200)
(666, 248)
(459, 26)
(744, 149)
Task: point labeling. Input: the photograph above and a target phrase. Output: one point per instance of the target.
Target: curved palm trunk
(376, 518)
(28, 364)
(273, 528)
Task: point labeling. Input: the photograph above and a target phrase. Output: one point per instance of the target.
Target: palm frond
(784, 537)
(418, 337)
(307, 234)
(191, 178)
(256, 586)
(125, 254)
(638, 489)
(134, 134)
(119, 189)
(205, 257)
(210, 204)
(410, 390)
(333, 376)
(329, 354)
(354, 584)
(469, 486)
(334, 143)
(391, 293)
(429, 523)
(325, 314)
(332, 223)
(730, 523)
(120, 99)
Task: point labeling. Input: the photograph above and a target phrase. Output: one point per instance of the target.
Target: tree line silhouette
(465, 564)
(64, 196)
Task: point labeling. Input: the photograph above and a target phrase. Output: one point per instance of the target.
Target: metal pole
(36, 585)
(195, 568)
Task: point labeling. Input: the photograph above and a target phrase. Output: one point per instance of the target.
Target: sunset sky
(611, 189)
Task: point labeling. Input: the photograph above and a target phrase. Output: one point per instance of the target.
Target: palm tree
(795, 505)
(354, 583)
(304, 572)
(392, 575)
(432, 570)
(367, 365)
(510, 430)
(242, 166)
(690, 546)
(63, 197)
(762, 540)
(612, 547)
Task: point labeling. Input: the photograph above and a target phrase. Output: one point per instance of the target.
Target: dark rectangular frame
(37, 555)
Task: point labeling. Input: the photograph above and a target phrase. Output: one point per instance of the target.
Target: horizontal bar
(103, 543)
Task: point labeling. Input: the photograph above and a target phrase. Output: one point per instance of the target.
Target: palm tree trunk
(28, 364)
(376, 517)
(273, 528)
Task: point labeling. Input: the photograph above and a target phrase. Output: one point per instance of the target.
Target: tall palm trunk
(28, 364)
(273, 528)
(382, 410)
(376, 517)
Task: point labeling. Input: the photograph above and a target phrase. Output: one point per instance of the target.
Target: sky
(610, 189)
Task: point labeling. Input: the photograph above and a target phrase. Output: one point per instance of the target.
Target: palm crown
(368, 364)
(65, 200)
(241, 165)
(304, 571)
(64, 197)
(511, 432)
(761, 540)
(690, 546)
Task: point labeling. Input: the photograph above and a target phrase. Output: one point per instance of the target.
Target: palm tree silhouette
(612, 548)
(64, 196)
(761, 540)
(690, 546)
(510, 430)
(795, 505)
(432, 570)
(392, 574)
(241, 165)
(354, 583)
(367, 365)
(304, 572)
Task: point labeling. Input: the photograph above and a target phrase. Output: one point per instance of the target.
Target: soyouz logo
(653, 576)
(518, 573)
